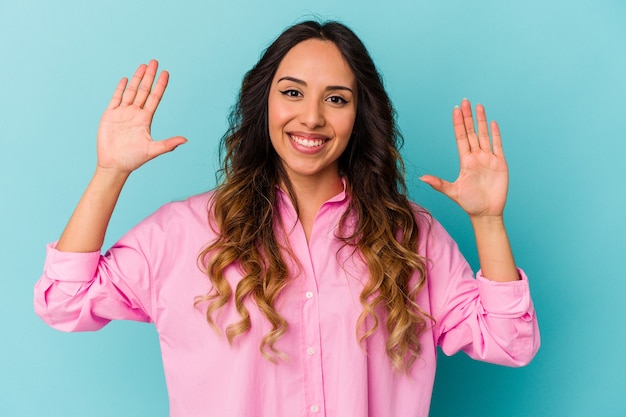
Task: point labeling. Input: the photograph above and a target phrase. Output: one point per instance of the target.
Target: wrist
(112, 175)
(487, 221)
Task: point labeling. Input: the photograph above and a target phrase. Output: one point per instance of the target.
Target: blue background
(551, 72)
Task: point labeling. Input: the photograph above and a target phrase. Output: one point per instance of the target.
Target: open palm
(124, 139)
(482, 184)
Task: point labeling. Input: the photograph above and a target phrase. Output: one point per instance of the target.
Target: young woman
(306, 283)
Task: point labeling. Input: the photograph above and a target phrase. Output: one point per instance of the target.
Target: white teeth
(309, 143)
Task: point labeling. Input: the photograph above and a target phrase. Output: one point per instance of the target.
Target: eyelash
(341, 100)
(290, 93)
(295, 93)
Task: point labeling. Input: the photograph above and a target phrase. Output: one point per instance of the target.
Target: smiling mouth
(308, 143)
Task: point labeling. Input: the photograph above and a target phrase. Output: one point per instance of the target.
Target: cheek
(344, 125)
(277, 114)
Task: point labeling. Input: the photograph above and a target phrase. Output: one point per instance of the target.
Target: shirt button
(315, 409)
(309, 294)
(310, 351)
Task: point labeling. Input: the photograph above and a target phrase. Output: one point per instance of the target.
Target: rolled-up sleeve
(85, 291)
(490, 321)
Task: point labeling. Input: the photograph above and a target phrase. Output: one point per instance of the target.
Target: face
(311, 110)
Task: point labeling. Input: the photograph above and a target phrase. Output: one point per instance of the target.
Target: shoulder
(195, 205)
(434, 239)
(425, 221)
(191, 212)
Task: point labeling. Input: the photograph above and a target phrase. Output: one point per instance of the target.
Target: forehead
(316, 60)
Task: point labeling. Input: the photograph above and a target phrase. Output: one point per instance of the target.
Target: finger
(167, 145)
(146, 83)
(131, 90)
(462, 142)
(157, 92)
(483, 130)
(437, 183)
(468, 121)
(497, 139)
(117, 95)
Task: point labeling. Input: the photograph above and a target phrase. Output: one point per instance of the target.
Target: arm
(79, 289)
(488, 320)
(124, 144)
(481, 190)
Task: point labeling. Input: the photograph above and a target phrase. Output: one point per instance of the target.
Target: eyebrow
(302, 82)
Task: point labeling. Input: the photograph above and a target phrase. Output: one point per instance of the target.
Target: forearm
(494, 249)
(86, 228)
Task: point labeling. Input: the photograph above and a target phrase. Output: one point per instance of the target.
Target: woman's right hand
(124, 144)
(124, 139)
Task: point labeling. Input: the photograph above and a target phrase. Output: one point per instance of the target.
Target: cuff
(70, 266)
(505, 299)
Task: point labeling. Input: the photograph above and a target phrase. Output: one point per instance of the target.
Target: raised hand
(124, 144)
(124, 139)
(482, 184)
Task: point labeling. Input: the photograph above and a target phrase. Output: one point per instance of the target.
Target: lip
(308, 143)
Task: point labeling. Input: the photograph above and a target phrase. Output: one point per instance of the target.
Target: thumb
(436, 183)
(166, 145)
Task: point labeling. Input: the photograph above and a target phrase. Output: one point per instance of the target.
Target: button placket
(310, 349)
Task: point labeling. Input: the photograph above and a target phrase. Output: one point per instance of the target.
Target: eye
(337, 100)
(291, 93)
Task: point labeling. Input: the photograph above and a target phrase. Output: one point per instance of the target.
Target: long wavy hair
(382, 225)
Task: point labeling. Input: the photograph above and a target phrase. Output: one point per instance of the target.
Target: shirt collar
(342, 196)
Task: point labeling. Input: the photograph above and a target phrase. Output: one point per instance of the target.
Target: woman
(327, 290)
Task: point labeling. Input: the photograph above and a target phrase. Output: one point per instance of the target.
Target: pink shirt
(151, 275)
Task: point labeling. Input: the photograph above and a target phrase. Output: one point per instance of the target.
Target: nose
(312, 115)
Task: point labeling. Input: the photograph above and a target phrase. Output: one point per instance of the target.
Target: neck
(311, 193)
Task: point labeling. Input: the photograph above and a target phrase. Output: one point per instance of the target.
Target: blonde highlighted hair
(383, 226)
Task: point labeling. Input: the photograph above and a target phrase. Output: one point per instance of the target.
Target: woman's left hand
(482, 184)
